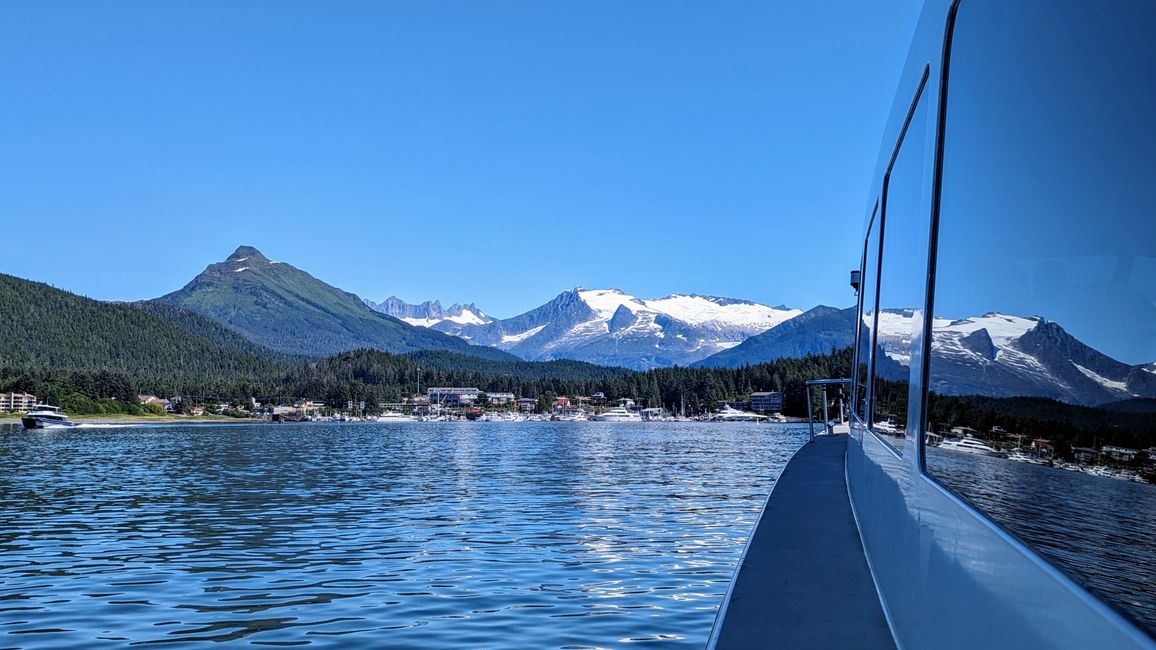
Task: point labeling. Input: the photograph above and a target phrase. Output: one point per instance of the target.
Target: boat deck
(804, 582)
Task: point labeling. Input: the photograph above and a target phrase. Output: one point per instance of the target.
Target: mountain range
(816, 331)
(606, 326)
(1001, 355)
(431, 314)
(248, 316)
(996, 355)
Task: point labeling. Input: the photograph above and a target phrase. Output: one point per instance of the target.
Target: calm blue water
(487, 535)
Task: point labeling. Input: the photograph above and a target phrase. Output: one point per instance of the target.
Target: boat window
(1042, 393)
(902, 278)
(868, 283)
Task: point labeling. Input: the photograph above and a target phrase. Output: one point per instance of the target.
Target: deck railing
(825, 384)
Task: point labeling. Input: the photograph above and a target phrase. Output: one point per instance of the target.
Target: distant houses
(165, 404)
(16, 402)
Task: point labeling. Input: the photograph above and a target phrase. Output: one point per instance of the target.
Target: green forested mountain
(288, 310)
(46, 332)
(208, 329)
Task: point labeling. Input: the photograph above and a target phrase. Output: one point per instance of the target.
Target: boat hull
(43, 423)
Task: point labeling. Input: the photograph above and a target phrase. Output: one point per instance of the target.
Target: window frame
(919, 96)
(872, 222)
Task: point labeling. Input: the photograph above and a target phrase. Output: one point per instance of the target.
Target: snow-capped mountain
(609, 327)
(1000, 355)
(819, 330)
(997, 355)
(431, 314)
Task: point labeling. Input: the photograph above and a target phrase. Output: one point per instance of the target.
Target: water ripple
(487, 535)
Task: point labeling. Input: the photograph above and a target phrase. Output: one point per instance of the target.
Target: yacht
(968, 445)
(571, 416)
(43, 416)
(394, 416)
(730, 414)
(617, 414)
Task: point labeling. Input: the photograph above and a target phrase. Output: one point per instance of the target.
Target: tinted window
(1044, 333)
(902, 280)
(868, 282)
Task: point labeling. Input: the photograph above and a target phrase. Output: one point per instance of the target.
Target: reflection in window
(1044, 334)
(901, 280)
(867, 287)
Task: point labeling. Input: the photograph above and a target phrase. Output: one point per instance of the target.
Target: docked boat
(730, 414)
(968, 445)
(394, 416)
(655, 415)
(43, 416)
(616, 414)
(571, 416)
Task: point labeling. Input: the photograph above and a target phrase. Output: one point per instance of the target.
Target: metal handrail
(810, 412)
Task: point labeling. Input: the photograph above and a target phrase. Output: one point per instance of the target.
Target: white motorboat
(394, 416)
(617, 414)
(968, 445)
(43, 416)
(730, 414)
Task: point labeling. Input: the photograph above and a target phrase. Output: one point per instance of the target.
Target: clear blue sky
(494, 152)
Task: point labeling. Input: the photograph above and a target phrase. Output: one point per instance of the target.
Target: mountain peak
(246, 253)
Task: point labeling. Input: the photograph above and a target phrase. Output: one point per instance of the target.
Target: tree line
(377, 378)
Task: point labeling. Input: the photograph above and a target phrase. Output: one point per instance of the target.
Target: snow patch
(517, 338)
(1101, 380)
(1002, 328)
(243, 268)
(607, 301)
(467, 317)
(699, 310)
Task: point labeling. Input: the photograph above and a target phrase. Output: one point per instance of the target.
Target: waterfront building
(500, 399)
(305, 406)
(16, 402)
(767, 402)
(1086, 455)
(452, 396)
(1119, 453)
(527, 404)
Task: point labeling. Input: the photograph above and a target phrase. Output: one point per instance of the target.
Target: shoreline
(14, 418)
